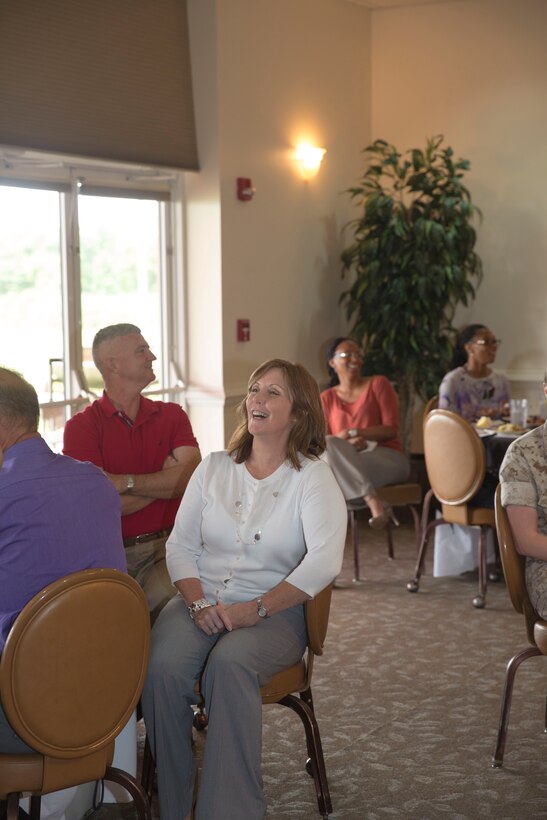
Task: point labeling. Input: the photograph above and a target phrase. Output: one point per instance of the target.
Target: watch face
(262, 611)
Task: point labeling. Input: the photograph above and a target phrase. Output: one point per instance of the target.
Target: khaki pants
(146, 564)
(359, 473)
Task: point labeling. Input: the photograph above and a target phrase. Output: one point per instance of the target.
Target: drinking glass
(518, 412)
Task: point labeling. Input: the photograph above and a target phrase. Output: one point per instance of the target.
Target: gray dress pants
(359, 473)
(235, 665)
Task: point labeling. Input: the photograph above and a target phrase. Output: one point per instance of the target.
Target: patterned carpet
(407, 696)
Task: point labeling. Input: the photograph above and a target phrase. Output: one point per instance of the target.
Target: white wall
(204, 365)
(268, 73)
(477, 72)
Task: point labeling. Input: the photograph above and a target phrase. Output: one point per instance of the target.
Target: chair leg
(425, 510)
(148, 770)
(479, 601)
(511, 671)
(389, 535)
(303, 706)
(496, 574)
(417, 526)
(12, 806)
(133, 787)
(355, 544)
(35, 806)
(414, 585)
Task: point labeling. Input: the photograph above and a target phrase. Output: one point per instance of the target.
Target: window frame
(71, 177)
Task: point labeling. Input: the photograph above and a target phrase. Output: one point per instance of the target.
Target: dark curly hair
(466, 335)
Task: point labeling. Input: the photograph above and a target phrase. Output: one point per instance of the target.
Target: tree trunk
(407, 396)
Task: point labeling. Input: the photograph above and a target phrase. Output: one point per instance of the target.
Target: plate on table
(509, 434)
(485, 432)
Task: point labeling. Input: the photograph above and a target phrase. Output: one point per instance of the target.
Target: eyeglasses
(352, 355)
(489, 342)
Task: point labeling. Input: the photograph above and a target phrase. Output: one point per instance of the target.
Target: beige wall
(477, 71)
(268, 73)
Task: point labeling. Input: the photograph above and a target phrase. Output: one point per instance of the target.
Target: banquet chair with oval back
(536, 628)
(291, 687)
(71, 673)
(456, 464)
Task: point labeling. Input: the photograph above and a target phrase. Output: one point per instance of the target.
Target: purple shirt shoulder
(57, 516)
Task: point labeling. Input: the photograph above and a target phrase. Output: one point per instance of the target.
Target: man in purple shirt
(57, 515)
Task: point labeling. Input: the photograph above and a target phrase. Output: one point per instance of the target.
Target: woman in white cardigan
(260, 530)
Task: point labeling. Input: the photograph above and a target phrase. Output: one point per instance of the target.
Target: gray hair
(106, 334)
(18, 400)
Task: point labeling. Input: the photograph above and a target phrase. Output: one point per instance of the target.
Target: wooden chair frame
(71, 674)
(536, 628)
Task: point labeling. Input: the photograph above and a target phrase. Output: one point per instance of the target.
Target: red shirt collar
(147, 408)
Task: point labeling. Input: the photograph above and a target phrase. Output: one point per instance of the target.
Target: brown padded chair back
(298, 677)
(317, 619)
(454, 457)
(74, 663)
(514, 568)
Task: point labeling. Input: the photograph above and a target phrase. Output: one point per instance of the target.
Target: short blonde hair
(307, 435)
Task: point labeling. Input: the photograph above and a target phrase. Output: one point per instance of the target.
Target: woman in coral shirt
(363, 446)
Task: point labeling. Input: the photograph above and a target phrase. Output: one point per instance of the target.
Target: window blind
(106, 79)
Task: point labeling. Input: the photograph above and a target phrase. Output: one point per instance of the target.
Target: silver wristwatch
(261, 609)
(130, 483)
(196, 606)
(353, 433)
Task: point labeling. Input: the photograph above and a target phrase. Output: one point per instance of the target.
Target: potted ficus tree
(412, 261)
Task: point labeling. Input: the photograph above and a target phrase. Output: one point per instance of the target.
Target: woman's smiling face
(270, 406)
(348, 358)
(482, 347)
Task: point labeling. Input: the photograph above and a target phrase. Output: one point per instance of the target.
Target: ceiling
(394, 4)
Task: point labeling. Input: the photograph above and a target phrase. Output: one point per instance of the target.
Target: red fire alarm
(243, 330)
(245, 190)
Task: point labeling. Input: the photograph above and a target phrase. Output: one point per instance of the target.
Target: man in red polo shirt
(146, 448)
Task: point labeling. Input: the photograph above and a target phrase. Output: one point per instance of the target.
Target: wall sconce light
(309, 157)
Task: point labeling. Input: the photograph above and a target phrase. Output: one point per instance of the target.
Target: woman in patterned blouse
(472, 389)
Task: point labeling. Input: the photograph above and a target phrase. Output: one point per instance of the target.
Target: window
(84, 246)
